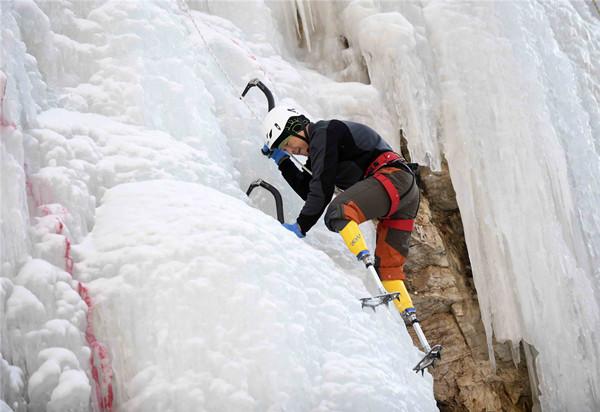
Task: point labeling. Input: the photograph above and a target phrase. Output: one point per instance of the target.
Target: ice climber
(376, 182)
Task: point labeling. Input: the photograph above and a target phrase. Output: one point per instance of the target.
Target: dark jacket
(339, 154)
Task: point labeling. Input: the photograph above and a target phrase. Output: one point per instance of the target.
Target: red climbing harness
(386, 159)
(382, 160)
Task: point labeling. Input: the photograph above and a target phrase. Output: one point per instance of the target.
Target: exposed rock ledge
(440, 279)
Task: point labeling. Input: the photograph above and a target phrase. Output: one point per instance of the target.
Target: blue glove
(294, 227)
(277, 155)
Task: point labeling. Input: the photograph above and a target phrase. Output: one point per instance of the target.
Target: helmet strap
(305, 130)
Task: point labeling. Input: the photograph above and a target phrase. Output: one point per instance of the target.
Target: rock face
(440, 279)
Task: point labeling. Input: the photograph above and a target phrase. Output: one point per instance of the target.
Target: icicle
(310, 14)
(515, 349)
(305, 31)
(489, 334)
(534, 382)
(295, 17)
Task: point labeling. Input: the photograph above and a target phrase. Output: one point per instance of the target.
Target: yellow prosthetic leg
(404, 302)
(390, 291)
(355, 242)
(354, 239)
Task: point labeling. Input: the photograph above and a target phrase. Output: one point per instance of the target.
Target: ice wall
(44, 355)
(520, 112)
(105, 95)
(515, 92)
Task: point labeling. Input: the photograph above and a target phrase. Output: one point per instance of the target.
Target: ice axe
(355, 242)
(257, 83)
(270, 105)
(273, 190)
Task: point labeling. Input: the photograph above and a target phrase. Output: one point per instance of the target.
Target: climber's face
(295, 145)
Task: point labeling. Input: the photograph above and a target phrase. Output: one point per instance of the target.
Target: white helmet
(281, 122)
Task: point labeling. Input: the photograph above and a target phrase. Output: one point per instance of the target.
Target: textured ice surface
(520, 145)
(132, 94)
(106, 93)
(208, 303)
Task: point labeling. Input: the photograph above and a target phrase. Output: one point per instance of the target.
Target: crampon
(383, 299)
(429, 359)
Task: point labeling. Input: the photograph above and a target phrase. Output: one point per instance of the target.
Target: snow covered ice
(126, 153)
(204, 301)
(222, 320)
